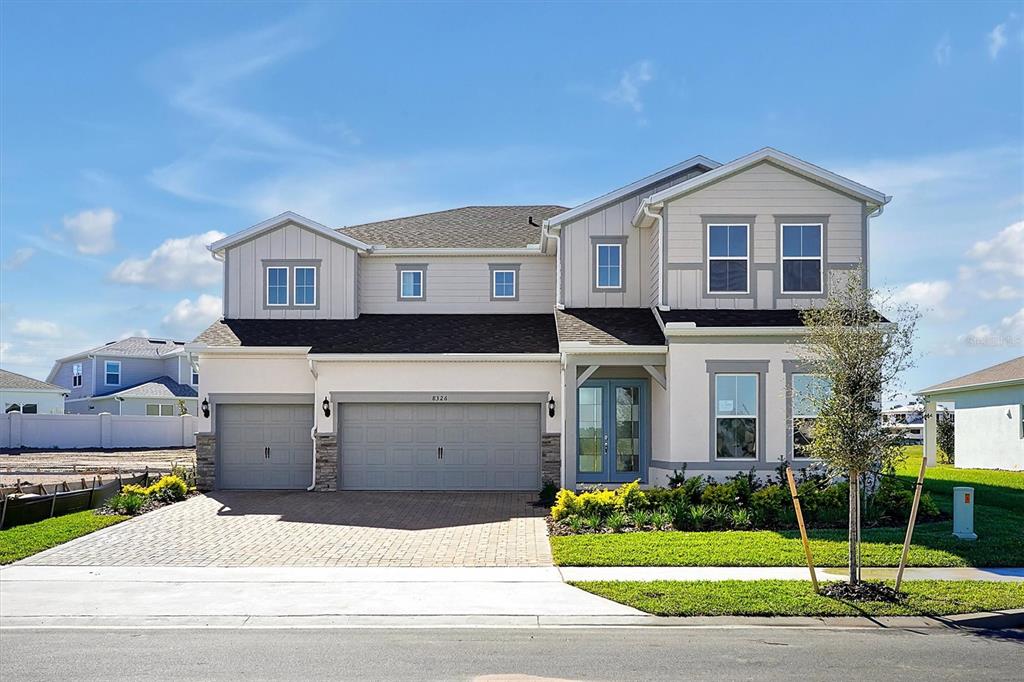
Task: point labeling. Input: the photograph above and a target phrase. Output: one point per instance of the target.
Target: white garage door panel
(243, 434)
(394, 446)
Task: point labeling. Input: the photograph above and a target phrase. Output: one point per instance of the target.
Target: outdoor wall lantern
(206, 408)
(551, 407)
(327, 407)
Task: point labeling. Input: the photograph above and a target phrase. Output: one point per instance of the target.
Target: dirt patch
(56, 466)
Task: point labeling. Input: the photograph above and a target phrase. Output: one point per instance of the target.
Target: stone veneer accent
(326, 462)
(206, 465)
(551, 458)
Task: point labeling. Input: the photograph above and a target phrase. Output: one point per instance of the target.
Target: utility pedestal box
(963, 513)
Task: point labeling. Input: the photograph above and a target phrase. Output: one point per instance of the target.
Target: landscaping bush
(168, 489)
(892, 501)
(126, 503)
(720, 495)
(767, 506)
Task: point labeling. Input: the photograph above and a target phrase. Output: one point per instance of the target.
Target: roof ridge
(448, 210)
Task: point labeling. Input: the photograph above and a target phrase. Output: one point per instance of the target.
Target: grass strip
(22, 541)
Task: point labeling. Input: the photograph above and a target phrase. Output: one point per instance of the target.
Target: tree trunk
(854, 527)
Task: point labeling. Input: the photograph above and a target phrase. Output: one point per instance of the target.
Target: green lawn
(998, 520)
(32, 538)
(796, 598)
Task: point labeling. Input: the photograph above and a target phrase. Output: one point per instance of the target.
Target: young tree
(859, 355)
(945, 430)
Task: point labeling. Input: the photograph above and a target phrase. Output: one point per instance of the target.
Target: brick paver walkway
(322, 529)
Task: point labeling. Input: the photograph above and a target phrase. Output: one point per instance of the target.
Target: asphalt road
(499, 654)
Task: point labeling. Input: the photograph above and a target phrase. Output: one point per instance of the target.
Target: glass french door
(611, 430)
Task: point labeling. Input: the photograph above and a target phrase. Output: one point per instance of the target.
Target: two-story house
(136, 375)
(493, 347)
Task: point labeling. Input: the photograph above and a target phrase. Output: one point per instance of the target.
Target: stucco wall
(988, 429)
(46, 402)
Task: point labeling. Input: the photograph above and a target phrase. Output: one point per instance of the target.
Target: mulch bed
(863, 591)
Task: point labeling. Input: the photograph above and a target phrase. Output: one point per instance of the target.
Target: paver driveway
(322, 529)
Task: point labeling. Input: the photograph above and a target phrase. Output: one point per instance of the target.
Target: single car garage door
(458, 446)
(262, 447)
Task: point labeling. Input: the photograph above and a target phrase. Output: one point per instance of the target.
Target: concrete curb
(970, 621)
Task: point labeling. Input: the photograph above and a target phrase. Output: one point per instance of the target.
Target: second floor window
(195, 377)
(76, 375)
(277, 286)
(609, 266)
(728, 258)
(504, 283)
(801, 259)
(411, 284)
(305, 286)
(112, 373)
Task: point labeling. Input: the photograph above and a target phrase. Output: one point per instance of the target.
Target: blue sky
(132, 133)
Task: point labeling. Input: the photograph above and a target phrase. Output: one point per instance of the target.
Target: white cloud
(187, 318)
(18, 258)
(92, 231)
(40, 329)
(943, 51)
(1009, 332)
(931, 297)
(1004, 253)
(996, 39)
(175, 264)
(631, 82)
(1002, 293)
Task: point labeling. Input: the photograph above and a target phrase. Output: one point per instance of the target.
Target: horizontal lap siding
(457, 284)
(763, 191)
(243, 272)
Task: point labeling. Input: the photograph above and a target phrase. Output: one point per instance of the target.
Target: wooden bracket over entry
(657, 375)
(586, 374)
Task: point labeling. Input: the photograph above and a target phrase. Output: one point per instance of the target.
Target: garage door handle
(442, 451)
(439, 453)
(266, 452)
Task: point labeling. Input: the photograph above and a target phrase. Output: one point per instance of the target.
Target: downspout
(661, 256)
(312, 431)
(546, 234)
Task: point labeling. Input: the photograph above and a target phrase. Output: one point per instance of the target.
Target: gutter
(690, 329)
(545, 233)
(585, 347)
(385, 251)
(661, 257)
(312, 431)
(969, 387)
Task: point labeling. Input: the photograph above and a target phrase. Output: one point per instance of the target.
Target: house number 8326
(439, 398)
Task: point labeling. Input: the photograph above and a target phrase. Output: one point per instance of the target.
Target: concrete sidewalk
(689, 573)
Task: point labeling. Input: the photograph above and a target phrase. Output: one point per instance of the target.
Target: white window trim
(401, 286)
(707, 268)
(755, 417)
(295, 284)
(597, 265)
(106, 372)
(287, 286)
(156, 405)
(76, 375)
(494, 284)
(194, 377)
(820, 258)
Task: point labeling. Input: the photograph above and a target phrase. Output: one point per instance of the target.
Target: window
(727, 258)
(12, 407)
(30, 408)
(411, 284)
(112, 373)
(609, 266)
(736, 416)
(807, 391)
(801, 259)
(503, 283)
(277, 286)
(305, 286)
(159, 410)
(76, 375)
(195, 376)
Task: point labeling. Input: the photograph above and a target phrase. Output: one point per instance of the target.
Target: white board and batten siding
(764, 191)
(244, 281)
(614, 220)
(456, 284)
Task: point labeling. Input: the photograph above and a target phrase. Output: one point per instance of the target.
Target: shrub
(744, 484)
(719, 494)
(740, 519)
(615, 521)
(168, 489)
(692, 489)
(592, 522)
(135, 489)
(768, 504)
(629, 496)
(945, 430)
(127, 503)
(185, 473)
(641, 518)
(720, 517)
(567, 503)
(662, 498)
(575, 523)
(679, 512)
(677, 478)
(548, 493)
(660, 520)
(699, 516)
(599, 503)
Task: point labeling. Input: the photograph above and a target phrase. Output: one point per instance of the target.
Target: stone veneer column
(551, 458)
(206, 466)
(326, 462)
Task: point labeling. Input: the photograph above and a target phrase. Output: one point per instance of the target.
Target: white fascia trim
(282, 219)
(969, 387)
(434, 357)
(617, 194)
(202, 349)
(534, 250)
(787, 161)
(690, 329)
(580, 347)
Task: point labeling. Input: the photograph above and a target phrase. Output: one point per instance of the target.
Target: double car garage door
(386, 446)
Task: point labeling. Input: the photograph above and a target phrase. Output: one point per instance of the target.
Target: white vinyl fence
(104, 430)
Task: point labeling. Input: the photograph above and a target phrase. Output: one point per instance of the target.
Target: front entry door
(611, 429)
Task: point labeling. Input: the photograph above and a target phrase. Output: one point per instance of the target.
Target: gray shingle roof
(161, 387)
(20, 382)
(470, 227)
(137, 347)
(609, 326)
(1011, 370)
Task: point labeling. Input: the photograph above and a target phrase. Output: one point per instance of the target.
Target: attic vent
(110, 343)
(158, 342)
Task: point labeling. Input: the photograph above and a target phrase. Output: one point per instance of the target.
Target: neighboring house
(907, 420)
(19, 393)
(137, 375)
(989, 403)
(493, 347)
